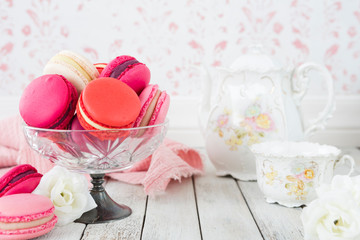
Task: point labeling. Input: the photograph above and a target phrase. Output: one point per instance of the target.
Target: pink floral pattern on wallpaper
(173, 36)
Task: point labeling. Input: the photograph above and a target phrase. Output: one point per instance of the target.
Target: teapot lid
(256, 60)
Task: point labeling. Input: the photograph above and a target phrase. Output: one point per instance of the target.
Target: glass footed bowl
(97, 152)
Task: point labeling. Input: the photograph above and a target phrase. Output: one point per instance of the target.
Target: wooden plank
(172, 215)
(127, 228)
(72, 231)
(275, 221)
(222, 210)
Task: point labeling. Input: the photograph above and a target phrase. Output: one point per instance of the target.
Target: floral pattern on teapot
(254, 126)
(297, 183)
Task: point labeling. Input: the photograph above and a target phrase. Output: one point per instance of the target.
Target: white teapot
(258, 101)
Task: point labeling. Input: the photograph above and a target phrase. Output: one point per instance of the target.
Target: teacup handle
(300, 85)
(342, 160)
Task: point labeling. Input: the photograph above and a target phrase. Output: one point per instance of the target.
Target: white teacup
(289, 172)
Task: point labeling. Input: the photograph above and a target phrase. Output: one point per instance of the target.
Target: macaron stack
(24, 215)
(102, 96)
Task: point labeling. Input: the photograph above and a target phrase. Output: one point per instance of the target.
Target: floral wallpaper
(172, 37)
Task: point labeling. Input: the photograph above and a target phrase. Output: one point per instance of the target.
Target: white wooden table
(202, 207)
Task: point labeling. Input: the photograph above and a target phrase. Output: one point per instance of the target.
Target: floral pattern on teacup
(297, 183)
(271, 176)
(297, 187)
(252, 128)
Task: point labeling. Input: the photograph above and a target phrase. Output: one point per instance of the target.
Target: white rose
(335, 215)
(68, 192)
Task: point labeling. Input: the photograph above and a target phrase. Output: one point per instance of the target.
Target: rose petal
(80, 202)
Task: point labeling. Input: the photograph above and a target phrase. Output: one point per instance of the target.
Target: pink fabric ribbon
(172, 160)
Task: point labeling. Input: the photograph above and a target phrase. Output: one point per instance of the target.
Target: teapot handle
(300, 86)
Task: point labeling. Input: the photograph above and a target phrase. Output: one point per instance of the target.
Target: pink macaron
(128, 70)
(20, 179)
(25, 216)
(78, 135)
(154, 106)
(48, 101)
